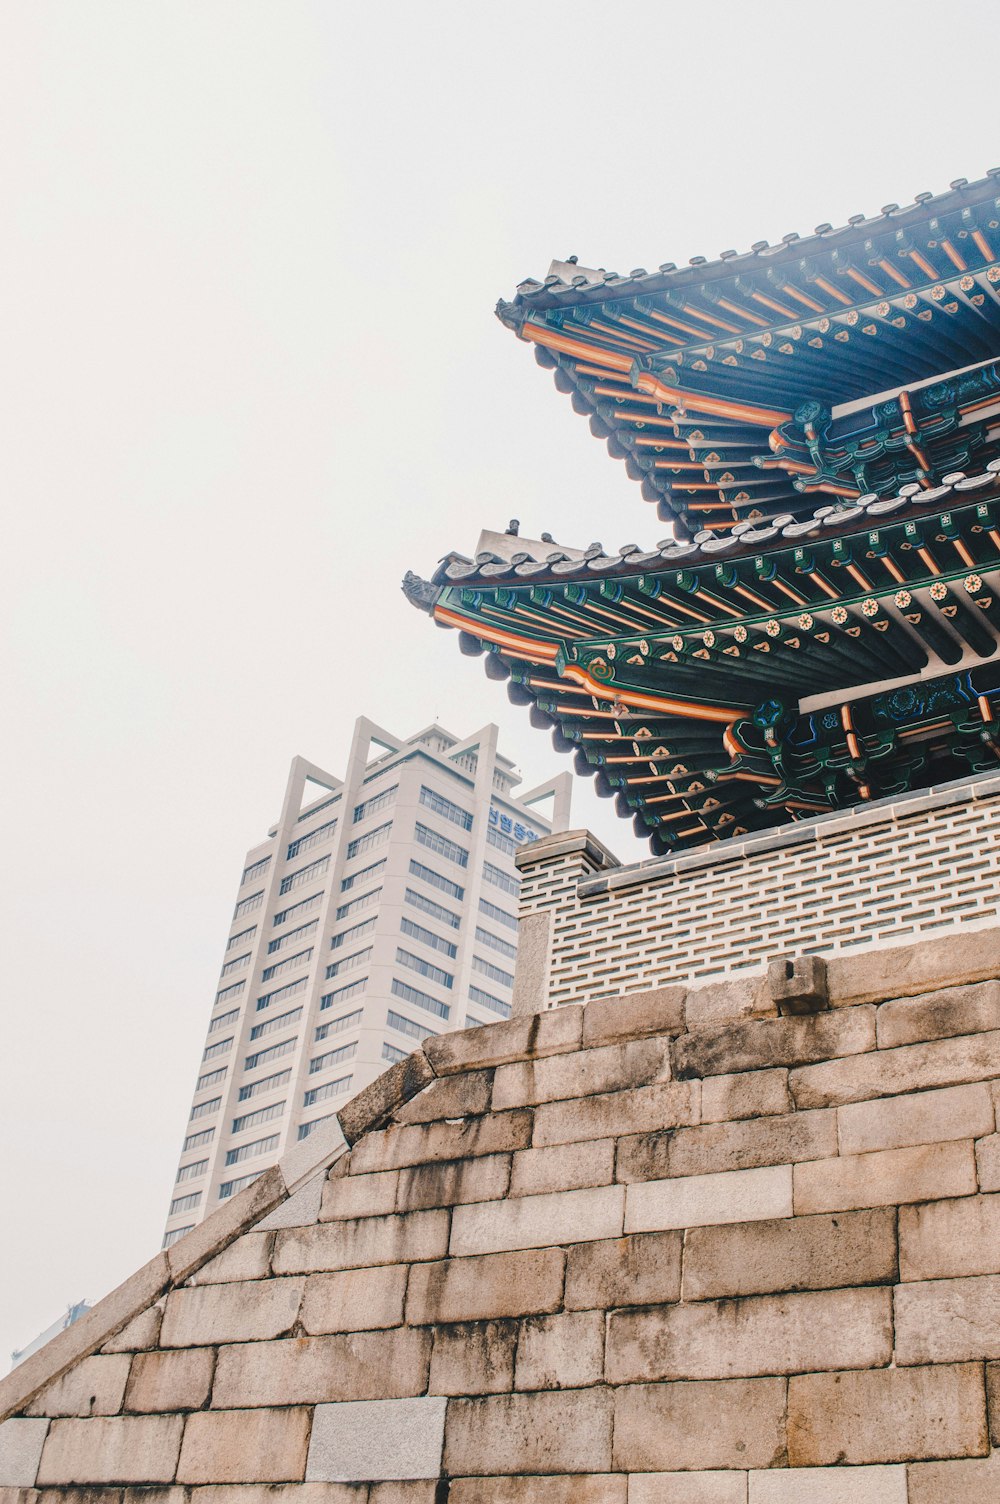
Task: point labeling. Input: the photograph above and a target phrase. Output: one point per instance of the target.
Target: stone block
(536, 1221)
(748, 1144)
(244, 1446)
(450, 1182)
(481, 1289)
(707, 1487)
(768, 1334)
(572, 1488)
(140, 1334)
(729, 1002)
(361, 1242)
(354, 1300)
(939, 1015)
(988, 1162)
(797, 984)
(21, 1443)
(562, 1431)
(473, 1357)
(320, 1151)
(301, 1208)
(770, 1042)
(972, 1481)
(560, 1352)
(948, 1239)
(790, 1253)
(888, 1177)
(609, 1115)
(235, 1216)
(889, 1073)
(378, 1439)
(112, 1449)
(887, 1415)
(644, 1269)
(309, 1370)
(634, 1015)
(993, 1400)
(162, 1382)
(582, 1073)
(948, 1320)
(266, 1493)
(701, 1200)
(94, 1386)
(905, 970)
(202, 1315)
(828, 1485)
(248, 1258)
(376, 1102)
(924, 1117)
(463, 1096)
(731, 1423)
(347, 1197)
(527, 1038)
(747, 1094)
(644, 1156)
(396, 1491)
(421, 1143)
(563, 1167)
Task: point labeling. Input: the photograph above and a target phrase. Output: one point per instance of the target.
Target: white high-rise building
(381, 908)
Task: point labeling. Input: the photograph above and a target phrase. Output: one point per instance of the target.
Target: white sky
(251, 374)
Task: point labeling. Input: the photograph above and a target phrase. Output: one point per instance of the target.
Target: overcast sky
(251, 374)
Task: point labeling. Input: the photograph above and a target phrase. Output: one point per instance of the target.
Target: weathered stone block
(700, 1200)
(988, 1162)
(937, 1015)
(316, 1153)
(608, 1116)
(563, 1167)
(112, 1449)
(375, 1103)
(378, 1439)
(527, 1038)
(479, 1289)
(451, 1182)
(573, 1488)
(688, 1488)
(366, 1241)
(948, 1321)
(244, 1446)
(138, 1335)
(347, 1197)
(966, 1482)
(582, 1073)
(797, 984)
(748, 1094)
(770, 1334)
(561, 1431)
(791, 1253)
(560, 1352)
(732, 1001)
(634, 1015)
(201, 1315)
(233, 1217)
(302, 1207)
(644, 1156)
(162, 1382)
(268, 1493)
(536, 1221)
(887, 1415)
(993, 1400)
(421, 1143)
(888, 1073)
(473, 1357)
(770, 1042)
(21, 1443)
(828, 1485)
(946, 1239)
(249, 1257)
(308, 1370)
(644, 1269)
(354, 1300)
(463, 1096)
(888, 1177)
(754, 1142)
(95, 1386)
(732, 1423)
(909, 969)
(925, 1117)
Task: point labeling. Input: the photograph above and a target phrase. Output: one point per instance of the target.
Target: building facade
(381, 908)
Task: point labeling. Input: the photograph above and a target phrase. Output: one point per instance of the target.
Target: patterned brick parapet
(681, 1246)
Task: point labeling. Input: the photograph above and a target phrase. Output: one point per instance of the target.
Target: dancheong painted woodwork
(819, 422)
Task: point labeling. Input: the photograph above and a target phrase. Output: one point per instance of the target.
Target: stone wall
(667, 1248)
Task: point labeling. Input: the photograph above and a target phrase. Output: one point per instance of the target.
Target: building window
(441, 845)
(282, 968)
(341, 994)
(202, 1109)
(443, 884)
(332, 1057)
(349, 963)
(502, 947)
(248, 904)
(375, 803)
(210, 1078)
(422, 999)
(232, 1187)
(192, 1171)
(499, 916)
(487, 1000)
(363, 875)
(223, 1020)
(272, 1025)
(256, 869)
(251, 1151)
(354, 933)
(331, 1089)
(445, 808)
(468, 760)
(427, 937)
(495, 973)
(291, 990)
(502, 843)
(236, 964)
(262, 1115)
(338, 1025)
(243, 938)
(309, 874)
(298, 910)
(266, 1083)
(357, 905)
(424, 968)
(184, 1203)
(369, 840)
(290, 937)
(273, 1052)
(233, 990)
(170, 1238)
(313, 838)
(213, 1051)
(405, 1025)
(306, 1128)
(390, 1053)
(195, 1140)
(432, 909)
(501, 879)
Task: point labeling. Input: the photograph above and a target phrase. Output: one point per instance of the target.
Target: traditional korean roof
(851, 361)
